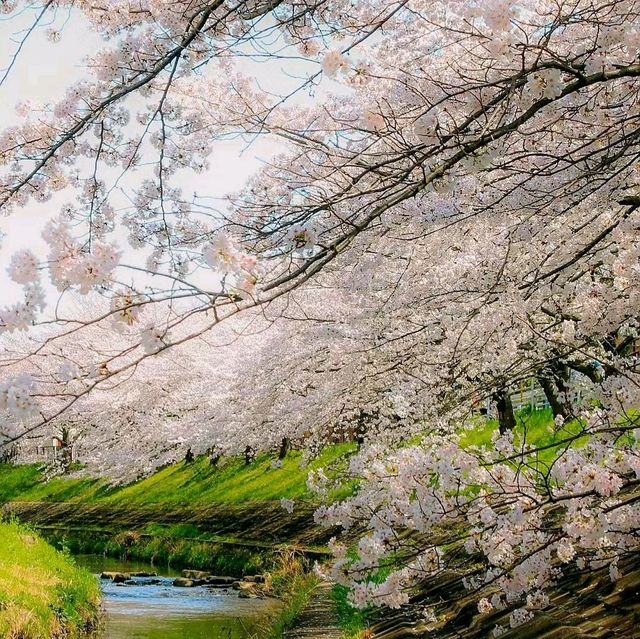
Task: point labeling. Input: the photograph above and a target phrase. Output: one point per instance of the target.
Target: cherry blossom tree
(451, 209)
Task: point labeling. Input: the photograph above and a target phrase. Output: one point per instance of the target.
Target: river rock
(143, 582)
(116, 577)
(215, 580)
(247, 590)
(254, 579)
(196, 574)
(144, 574)
(183, 582)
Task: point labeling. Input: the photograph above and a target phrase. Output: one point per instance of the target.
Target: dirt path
(317, 619)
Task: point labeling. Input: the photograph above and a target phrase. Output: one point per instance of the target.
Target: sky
(41, 73)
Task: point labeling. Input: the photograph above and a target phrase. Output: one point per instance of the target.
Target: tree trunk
(504, 406)
(589, 369)
(554, 382)
(284, 447)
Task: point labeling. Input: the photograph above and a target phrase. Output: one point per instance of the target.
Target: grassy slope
(27, 483)
(43, 595)
(538, 430)
(234, 482)
(195, 484)
(181, 483)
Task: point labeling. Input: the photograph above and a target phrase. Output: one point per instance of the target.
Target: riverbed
(155, 609)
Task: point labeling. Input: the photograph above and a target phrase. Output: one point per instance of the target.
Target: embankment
(43, 594)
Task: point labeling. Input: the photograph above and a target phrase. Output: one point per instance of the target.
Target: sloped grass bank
(43, 594)
(232, 482)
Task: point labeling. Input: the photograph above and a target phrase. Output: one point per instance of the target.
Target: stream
(155, 609)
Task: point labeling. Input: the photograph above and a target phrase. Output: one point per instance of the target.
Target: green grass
(536, 428)
(534, 424)
(235, 482)
(293, 584)
(27, 483)
(169, 551)
(43, 594)
(352, 621)
(182, 483)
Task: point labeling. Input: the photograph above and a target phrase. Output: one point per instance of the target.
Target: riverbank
(225, 539)
(229, 481)
(224, 518)
(43, 593)
(228, 520)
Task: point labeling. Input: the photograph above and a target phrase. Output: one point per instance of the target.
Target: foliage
(293, 584)
(169, 549)
(43, 594)
(352, 621)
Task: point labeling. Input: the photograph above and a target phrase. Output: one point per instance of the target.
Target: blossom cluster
(499, 501)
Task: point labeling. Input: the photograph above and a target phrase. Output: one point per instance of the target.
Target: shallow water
(151, 610)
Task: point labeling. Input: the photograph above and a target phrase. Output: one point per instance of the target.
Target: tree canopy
(450, 208)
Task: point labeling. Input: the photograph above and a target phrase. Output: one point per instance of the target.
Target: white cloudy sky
(41, 74)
